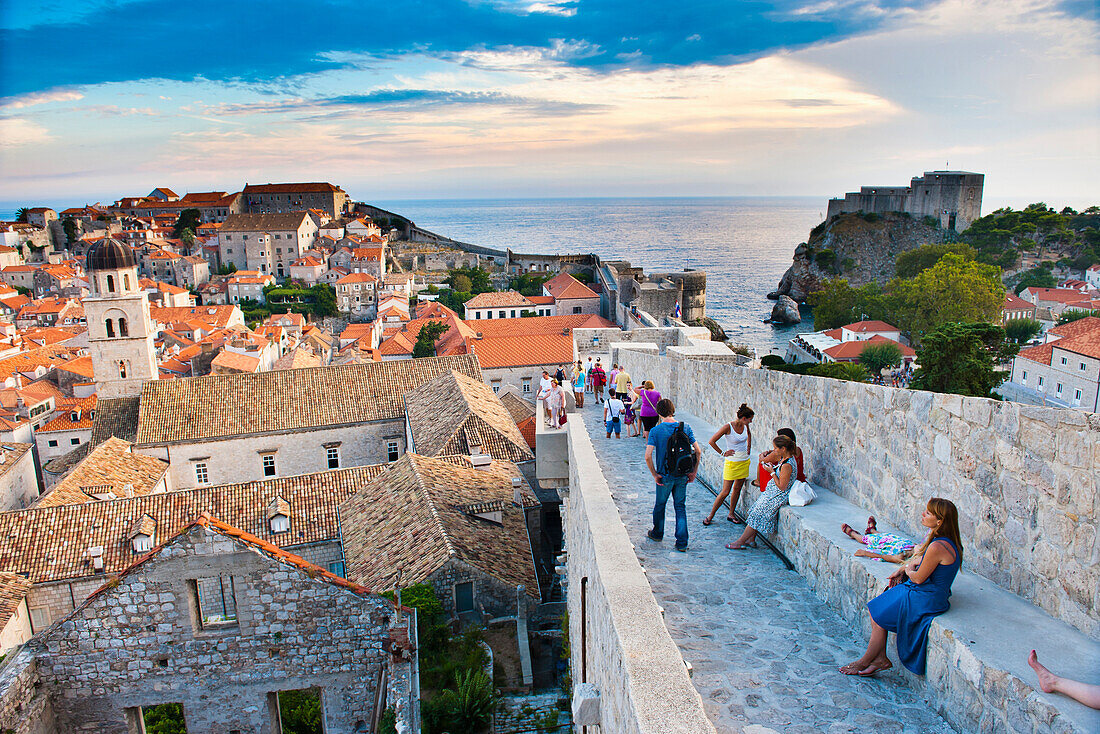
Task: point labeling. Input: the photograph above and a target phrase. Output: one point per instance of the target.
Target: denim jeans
(677, 487)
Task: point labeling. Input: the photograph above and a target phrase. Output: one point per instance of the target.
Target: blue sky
(459, 98)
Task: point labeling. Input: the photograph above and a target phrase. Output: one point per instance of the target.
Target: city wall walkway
(763, 649)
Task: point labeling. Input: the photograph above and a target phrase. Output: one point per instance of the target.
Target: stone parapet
(1026, 479)
(643, 684)
(24, 704)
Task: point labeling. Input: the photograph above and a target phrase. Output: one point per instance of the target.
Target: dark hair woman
(765, 511)
(918, 592)
(762, 473)
(735, 449)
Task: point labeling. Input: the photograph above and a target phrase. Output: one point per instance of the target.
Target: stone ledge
(977, 651)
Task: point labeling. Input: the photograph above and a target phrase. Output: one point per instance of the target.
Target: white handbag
(802, 494)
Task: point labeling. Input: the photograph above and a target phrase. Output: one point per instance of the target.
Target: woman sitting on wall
(762, 473)
(763, 516)
(917, 593)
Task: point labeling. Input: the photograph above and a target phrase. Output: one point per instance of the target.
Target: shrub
(772, 360)
(875, 357)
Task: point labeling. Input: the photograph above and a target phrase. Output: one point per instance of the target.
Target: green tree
(954, 289)
(300, 712)
(875, 357)
(961, 358)
(1021, 330)
(71, 232)
(165, 718)
(454, 300)
(462, 284)
(836, 370)
(188, 219)
(912, 262)
(426, 339)
(468, 706)
(187, 237)
(324, 300)
(1035, 278)
(22, 214)
(227, 269)
(479, 279)
(529, 284)
(1075, 314)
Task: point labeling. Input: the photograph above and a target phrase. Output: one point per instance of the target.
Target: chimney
(517, 496)
(481, 462)
(96, 554)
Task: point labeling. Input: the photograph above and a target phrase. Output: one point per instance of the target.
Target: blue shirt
(658, 439)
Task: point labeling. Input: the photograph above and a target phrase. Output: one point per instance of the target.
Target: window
(1058, 390)
(217, 603)
(332, 456)
(123, 330)
(201, 475)
(52, 443)
(40, 618)
(229, 237)
(513, 313)
(1064, 360)
(229, 251)
(269, 465)
(126, 281)
(1024, 380)
(1040, 381)
(1081, 366)
(110, 284)
(337, 568)
(279, 236)
(1077, 396)
(74, 441)
(245, 238)
(464, 597)
(110, 328)
(527, 384)
(392, 450)
(142, 543)
(496, 385)
(502, 315)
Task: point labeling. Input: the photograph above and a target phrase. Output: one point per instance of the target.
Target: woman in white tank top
(738, 444)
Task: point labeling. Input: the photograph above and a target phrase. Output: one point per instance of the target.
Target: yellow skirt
(735, 470)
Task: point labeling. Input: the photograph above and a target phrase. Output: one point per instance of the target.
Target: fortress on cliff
(953, 198)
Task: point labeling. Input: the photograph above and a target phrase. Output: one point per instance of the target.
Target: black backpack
(679, 454)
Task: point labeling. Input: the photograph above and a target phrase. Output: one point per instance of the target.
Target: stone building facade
(220, 622)
(953, 198)
(18, 481)
(294, 197)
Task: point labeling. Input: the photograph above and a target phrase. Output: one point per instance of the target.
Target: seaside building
(294, 197)
(952, 198)
(1064, 371)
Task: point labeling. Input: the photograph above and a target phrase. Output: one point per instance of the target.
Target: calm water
(744, 243)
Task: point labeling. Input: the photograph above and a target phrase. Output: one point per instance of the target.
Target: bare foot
(876, 666)
(1046, 678)
(852, 668)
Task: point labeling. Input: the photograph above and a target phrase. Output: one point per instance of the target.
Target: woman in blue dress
(918, 592)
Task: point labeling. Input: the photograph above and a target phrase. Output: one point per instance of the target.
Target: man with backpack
(672, 455)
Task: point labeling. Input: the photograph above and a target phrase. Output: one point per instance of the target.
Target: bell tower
(120, 331)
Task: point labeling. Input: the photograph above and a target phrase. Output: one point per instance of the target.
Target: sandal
(872, 526)
(850, 668)
(734, 520)
(707, 521)
(731, 546)
(847, 529)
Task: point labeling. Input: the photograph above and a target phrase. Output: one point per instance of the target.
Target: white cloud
(37, 98)
(16, 132)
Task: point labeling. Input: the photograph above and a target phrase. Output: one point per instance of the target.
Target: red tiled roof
(1040, 353)
(861, 327)
(356, 278)
(1056, 295)
(564, 285)
(1077, 328)
(1015, 303)
(850, 351)
(291, 188)
(1087, 344)
(497, 299)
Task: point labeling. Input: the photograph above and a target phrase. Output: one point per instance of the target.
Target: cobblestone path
(764, 649)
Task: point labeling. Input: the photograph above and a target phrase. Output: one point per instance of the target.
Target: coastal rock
(862, 249)
(785, 311)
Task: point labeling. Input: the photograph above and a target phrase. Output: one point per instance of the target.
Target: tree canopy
(22, 214)
(961, 358)
(1035, 278)
(912, 262)
(1075, 314)
(875, 357)
(529, 284)
(72, 233)
(477, 277)
(1019, 331)
(426, 339)
(188, 219)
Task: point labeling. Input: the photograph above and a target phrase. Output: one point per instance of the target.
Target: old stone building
(266, 243)
(953, 198)
(295, 197)
(18, 483)
(220, 622)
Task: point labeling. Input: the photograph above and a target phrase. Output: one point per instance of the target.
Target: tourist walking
(544, 394)
(630, 414)
(560, 374)
(611, 385)
(763, 515)
(556, 403)
(647, 410)
(588, 374)
(613, 416)
(599, 377)
(917, 593)
(672, 455)
(737, 443)
(621, 380)
(579, 384)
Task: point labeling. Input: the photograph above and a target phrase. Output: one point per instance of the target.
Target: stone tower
(120, 331)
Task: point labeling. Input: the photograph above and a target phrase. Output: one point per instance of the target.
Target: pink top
(648, 400)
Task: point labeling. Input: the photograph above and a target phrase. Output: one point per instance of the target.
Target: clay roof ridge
(430, 500)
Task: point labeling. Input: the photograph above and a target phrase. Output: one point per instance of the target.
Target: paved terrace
(763, 648)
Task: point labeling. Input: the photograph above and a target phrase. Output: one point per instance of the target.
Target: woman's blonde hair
(648, 384)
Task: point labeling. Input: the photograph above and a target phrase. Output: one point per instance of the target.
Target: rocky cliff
(859, 247)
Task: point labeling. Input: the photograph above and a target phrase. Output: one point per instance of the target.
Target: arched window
(110, 328)
(126, 281)
(122, 368)
(122, 330)
(110, 284)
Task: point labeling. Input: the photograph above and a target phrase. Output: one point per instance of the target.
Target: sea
(744, 244)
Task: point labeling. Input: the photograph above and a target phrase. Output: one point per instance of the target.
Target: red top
(801, 470)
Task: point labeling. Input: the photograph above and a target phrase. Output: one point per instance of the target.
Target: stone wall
(599, 341)
(631, 659)
(139, 643)
(492, 598)
(24, 706)
(1026, 479)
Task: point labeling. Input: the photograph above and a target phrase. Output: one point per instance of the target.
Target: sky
(547, 98)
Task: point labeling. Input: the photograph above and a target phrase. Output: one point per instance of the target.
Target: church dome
(109, 254)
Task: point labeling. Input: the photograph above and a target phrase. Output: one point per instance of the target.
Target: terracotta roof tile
(498, 299)
(218, 406)
(115, 417)
(273, 222)
(564, 285)
(13, 590)
(111, 468)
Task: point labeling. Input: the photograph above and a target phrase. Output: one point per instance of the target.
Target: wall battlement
(954, 198)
